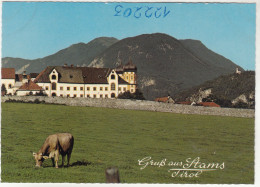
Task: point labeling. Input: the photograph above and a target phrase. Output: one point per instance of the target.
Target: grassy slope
(109, 137)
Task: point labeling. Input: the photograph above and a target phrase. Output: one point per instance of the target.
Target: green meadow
(111, 137)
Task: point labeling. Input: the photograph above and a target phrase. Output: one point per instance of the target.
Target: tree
(3, 90)
(138, 95)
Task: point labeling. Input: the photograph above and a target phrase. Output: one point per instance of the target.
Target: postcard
(128, 92)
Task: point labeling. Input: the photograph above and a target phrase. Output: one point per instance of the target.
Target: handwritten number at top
(139, 12)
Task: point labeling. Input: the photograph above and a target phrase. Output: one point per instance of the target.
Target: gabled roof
(8, 73)
(66, 75)
(30, 86)
(87, 75)
(121, 81)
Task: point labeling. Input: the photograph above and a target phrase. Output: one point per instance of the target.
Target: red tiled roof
(209, 104)
(8, 73)
(162, 99)
(184, 102)
(30, 86)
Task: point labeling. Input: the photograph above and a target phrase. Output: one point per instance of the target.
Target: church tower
(129, 75)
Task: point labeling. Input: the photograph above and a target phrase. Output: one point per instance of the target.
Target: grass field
(109, 137)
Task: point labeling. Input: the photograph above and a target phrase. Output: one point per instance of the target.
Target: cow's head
(39, 158)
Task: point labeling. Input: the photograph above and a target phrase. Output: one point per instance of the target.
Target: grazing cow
(54, 145)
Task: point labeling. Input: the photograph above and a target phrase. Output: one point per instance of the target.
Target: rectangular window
(106, 96)
(119, 88)
(101, 88)
(132, 90)
(113, 86)
(68, 95)
(75, 95)
(61, 88)
(47, 88)
(81, 88)
(132, 77)
(68, 88)
(88, 96)
(94, 88)
(101, 96)
(53, 86)
(94, 96)
(106, 88)
(81, 95)
(88, 88)
(124, 89)
(75, 88)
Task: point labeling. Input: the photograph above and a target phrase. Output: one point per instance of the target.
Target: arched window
(113, 86)
(53, 86)
(9, 86)
(113, 95)
(53, 77)
(53, 94)
(112, 76)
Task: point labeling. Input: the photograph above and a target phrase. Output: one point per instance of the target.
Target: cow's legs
(56, 157)
(68, 158)
(63, 158)
(52, 159)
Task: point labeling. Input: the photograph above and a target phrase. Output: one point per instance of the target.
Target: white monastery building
(87, 82)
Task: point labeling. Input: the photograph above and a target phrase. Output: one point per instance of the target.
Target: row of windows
(81, 95)
(113, 87)
(132, 77)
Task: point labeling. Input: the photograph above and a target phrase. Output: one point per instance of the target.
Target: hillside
(234, 90)
(78, 54)
(166, 65)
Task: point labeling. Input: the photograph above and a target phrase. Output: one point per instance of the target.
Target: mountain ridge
(165, 64)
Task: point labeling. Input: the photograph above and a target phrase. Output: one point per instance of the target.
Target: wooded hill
(234, 90)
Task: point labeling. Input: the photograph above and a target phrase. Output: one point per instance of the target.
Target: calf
(54, 145)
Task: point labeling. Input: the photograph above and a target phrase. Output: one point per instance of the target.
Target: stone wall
(136, 105)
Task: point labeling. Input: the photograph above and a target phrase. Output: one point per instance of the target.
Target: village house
(167, 99)
(7, 80)
(29, 88)
(90, 82)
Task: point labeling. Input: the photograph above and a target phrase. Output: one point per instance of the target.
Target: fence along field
(113, 137)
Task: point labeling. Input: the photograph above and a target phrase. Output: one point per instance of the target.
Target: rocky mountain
(78, 54)
(233, 90)
(166, 65)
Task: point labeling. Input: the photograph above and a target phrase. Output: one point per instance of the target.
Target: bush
(138, 95)
(41, 93)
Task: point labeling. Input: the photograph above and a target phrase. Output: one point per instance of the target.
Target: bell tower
(129, 75)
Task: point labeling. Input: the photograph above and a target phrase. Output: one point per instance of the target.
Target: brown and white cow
(54, 145)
